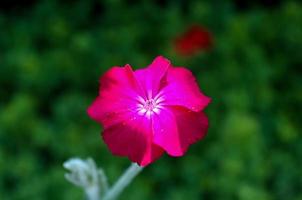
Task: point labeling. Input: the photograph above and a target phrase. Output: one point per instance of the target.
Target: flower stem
(123, 182)
(92, 193)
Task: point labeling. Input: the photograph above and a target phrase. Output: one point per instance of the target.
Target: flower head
(196, 38)
(150, 111)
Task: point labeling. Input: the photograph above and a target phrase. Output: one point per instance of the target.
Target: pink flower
(149, 111)
(195, 39)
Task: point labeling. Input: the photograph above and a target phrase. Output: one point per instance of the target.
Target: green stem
(123, 182)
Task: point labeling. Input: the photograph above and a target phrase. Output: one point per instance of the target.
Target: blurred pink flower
(149, 111)
(194, 40)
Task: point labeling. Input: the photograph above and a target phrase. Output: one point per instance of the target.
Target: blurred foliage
(52, 53)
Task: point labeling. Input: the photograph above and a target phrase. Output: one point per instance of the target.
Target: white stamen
(149, 106)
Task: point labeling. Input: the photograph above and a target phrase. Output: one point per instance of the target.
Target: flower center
(149, 106)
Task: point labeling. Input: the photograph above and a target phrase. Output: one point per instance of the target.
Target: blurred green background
(52, 53)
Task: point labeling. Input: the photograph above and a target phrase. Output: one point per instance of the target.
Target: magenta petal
(177, 128)
(119, 79)
(192, 126)
(150, 78)
(134, 140)
(116, 100)
(182, 90)
(166, 133)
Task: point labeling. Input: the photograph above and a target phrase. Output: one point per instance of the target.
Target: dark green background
(52, 53)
